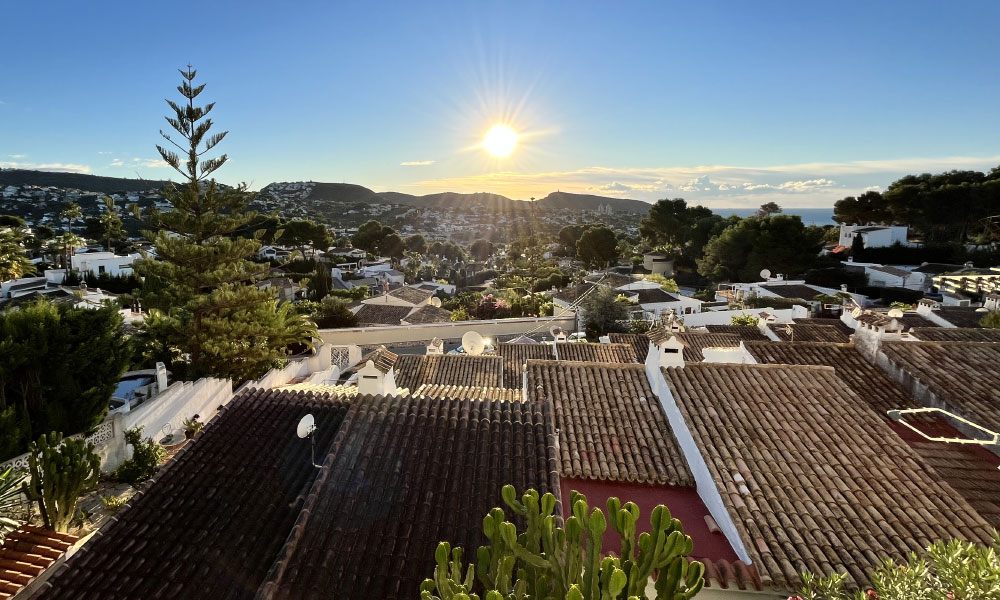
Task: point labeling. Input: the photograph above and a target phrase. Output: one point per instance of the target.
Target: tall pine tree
(212, 317)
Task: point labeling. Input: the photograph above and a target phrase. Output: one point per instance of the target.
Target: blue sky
(723, 103)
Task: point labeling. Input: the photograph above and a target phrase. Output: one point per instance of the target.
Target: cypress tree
(210, 312)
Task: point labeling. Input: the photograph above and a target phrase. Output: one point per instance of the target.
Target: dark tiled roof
(614, 280)
(403, 475)
(411, 295)
(211, 522)
(895, 272)
(415, 370)
(843, 327)
(960, 316)
(695, 342)
(792, 292)
(957, 334)
(381, 314)
(747, 333)
(976, 479)
(808, 475)
(26, 553)
(963, 375)
(810, 333)
(611, 425)
(515, 355)
(936, 268)
(428, 314)
(638, 341)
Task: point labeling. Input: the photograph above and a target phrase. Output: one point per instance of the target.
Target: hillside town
(595, 381)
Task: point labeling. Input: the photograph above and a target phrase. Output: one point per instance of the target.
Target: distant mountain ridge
(347, 193)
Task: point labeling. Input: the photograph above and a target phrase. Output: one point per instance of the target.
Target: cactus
(550, 562)
(60, 470)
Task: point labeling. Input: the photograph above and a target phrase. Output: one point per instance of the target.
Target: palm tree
(10, 492)
(71, 213)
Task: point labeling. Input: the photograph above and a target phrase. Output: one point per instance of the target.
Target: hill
(452, 200)
(78, 181)
(567, 200)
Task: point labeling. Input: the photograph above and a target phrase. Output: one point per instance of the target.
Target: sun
(500, 140)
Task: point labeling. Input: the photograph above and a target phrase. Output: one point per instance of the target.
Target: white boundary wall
(388, 334)
(723, 317)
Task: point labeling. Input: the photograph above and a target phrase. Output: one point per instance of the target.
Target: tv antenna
(473, 343)
(305, 429)
(992, 438)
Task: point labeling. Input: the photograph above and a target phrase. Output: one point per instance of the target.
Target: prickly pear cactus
(60, 470)
(549, 562)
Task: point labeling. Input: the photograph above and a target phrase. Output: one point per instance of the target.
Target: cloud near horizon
(816, 184)
(57, 167)
(417, 163)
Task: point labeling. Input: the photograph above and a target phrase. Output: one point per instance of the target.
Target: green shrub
(146, 457)
(744, 319)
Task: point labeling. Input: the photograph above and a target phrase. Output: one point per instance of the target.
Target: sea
(810, 216)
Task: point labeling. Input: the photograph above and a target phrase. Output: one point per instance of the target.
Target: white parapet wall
(367, 336)
(724, 317)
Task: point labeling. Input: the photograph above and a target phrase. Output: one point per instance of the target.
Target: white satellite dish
(895, 313)
(435, 301)
(307, 425)
(556, 331)
(473, 343)
(765, 273)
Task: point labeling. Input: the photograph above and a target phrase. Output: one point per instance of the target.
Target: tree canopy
(481, 249)
(604, 312)
(597, 247)
(780, 243)
(214, 320)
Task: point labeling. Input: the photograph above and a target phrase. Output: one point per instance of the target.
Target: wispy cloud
(117, 163)
(801, 184)
(152, 163)
(103, 153)
(17, 156)
(60, 167)
(416, 163)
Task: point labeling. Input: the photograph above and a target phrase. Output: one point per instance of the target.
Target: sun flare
(500, 140)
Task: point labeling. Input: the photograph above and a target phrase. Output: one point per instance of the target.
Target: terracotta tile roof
(747, 333)
(956, 334)
(960, 316)
(411, 295)
(695, 342)
(825, 321)
(402, 475)
(415, 370)
(968, 470)
(515, 355)
(383, 359)
(868, 381)
(810, 333)
(963, 375)
(465, 392)
(638, 341)
(910, 319)
(660, 334)
(26, 553)
(381, 314)
(735, 574)
(322, 388)
(807, 475)
(428, 314)
(611, 425)
(614, 280)
(211, 522)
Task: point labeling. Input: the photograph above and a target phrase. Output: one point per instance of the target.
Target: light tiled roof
(403, 475)
(211, 522)
(695, 343)
(381, 314)
(966, 376)
(747, 333)
(465, 392)
(515, 355)
(322, 388)
(381, 357)
(638, 341)
(415, 370)
(806, 472)
(611, 425)
(411, 295)
(428, 314)
(26, 553)
(956, 334)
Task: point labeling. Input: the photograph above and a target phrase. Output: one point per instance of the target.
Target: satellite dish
(473, 343)
(765, 273)
(435, 301)
(895, 313)
(556, 331)
(307, 425)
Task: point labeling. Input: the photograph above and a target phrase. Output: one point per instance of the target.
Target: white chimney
(671, 352)
(370, 380)
(436, 346)
(161, 377)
